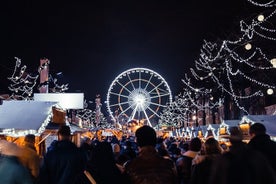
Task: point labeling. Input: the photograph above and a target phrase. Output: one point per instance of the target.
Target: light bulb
(248, 46)
(260, 18)
(273, 62)
(270, 91)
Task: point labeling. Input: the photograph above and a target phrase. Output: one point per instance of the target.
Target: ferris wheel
(138, 94)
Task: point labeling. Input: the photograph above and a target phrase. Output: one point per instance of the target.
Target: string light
(273, 62)
(248, 46)
(183, 109)
(269, 4)
(222, 63)
(260, 18)
(90, 119)
(22, 83)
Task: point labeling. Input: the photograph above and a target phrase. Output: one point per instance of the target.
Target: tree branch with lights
(241, 68)
(22, 84)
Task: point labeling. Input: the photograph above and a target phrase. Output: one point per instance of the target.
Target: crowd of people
(142, 159)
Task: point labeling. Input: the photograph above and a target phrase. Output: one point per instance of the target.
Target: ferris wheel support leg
(147, 118)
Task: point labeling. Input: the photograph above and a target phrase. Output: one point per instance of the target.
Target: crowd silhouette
(142, 158)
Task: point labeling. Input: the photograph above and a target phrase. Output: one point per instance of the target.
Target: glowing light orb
(273, 62)
(260, 18)
(270, 91)
(248, 46)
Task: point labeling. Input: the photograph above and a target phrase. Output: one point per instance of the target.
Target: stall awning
(24, 115)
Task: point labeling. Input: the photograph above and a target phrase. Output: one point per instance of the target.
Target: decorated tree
(240, 69)
(191, 108)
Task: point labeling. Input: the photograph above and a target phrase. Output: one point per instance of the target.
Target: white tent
(269, 121)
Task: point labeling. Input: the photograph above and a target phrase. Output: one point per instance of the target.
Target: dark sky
(92, 42)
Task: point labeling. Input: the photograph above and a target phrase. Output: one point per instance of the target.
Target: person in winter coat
(261, 142)
(11, 170)
(203, 163)
(29, 157)
(241, 164)
(64, 162)
(184, 163)
(149, 166)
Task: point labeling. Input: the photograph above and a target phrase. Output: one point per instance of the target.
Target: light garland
(179, 113)
(269, 4)
(222, 63)
(22, 83)
(92, 119)
(59, 88)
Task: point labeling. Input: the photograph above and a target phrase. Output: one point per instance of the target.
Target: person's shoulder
(180, 159)
(272, 146)
(273, 143)
(167, 161)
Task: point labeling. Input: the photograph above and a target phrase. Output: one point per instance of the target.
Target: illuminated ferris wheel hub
(138, 94)
(139, 99)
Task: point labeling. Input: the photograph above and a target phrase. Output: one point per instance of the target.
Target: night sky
(92, 42)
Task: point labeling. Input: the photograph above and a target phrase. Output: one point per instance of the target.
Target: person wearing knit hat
(149, 166)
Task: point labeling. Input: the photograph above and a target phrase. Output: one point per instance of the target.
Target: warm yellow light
(248, 46)
(200, 134)
(260, 18)
(244, 127)
(222, 131)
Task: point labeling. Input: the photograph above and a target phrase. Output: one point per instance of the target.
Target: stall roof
(24, 115)
(269, 121)
(231, 123)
